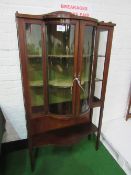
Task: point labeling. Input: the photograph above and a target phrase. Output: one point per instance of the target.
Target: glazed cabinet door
(85, 60)
(31, 54)
(61, 39)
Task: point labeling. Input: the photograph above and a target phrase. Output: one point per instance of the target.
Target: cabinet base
(65, 136)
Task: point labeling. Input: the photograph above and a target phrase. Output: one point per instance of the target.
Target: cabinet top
(62, 15)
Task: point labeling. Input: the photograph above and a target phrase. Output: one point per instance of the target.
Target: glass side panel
(86, 67)
(102, 43)
(98, 87)
(60, 39)
(34, 58)
(103, 35)
(100, 68)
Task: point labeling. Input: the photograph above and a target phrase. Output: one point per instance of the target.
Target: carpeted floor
(80, 159)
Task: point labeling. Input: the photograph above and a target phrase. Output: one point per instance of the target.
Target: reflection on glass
(100, 68)
(102, 43)
(34, 54)
(60, 39)
(98, 87)
(86, 66)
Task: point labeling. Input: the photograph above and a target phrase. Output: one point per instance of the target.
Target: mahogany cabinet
(64, 65)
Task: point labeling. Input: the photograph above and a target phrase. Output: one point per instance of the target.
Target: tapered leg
(91, 114)
(99, 128)
(31, 156)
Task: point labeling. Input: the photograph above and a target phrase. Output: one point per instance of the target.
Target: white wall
(11, 98)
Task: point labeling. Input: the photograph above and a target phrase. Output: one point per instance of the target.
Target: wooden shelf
(59, 83)
(98, 80)
(63, 84)
(38, 83)
(66, 56)
(56, 83)
(102, 56)
(58, 99)
(96, 102)
(65, 136)
(34, 56)
(60, 56)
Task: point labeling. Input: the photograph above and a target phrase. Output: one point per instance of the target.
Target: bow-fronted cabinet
(64, 65)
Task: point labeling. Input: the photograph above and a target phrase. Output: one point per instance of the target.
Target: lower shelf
(96, 102)
(64, 136)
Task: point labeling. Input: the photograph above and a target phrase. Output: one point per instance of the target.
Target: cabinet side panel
(22, 54)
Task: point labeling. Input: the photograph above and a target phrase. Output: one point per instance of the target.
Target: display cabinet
(64, 64)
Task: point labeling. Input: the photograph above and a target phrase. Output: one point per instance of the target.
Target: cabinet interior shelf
(56, 83)
(53, 100)
(34, 56)
(66, 56)
(58, 56)
(61, 83)
(56, 99)
(37, 83)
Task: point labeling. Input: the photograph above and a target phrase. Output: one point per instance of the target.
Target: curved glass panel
(60, 59)
(34, 66)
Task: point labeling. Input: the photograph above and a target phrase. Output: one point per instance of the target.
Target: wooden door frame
(82, 26)
(76, 32)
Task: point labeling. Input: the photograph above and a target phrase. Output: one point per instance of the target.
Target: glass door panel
(34, 65)
(87, 57)
(60, 59)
